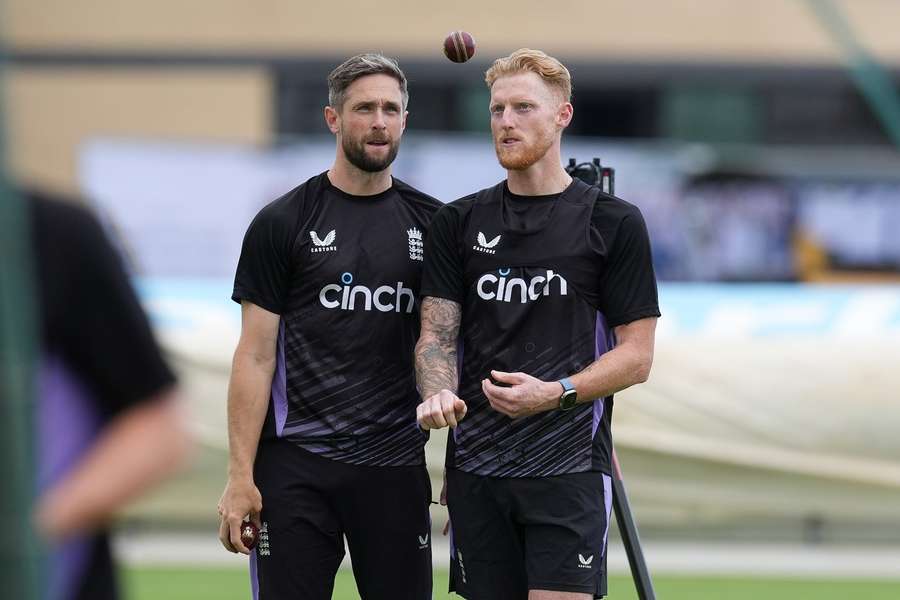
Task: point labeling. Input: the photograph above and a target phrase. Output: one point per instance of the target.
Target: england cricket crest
(416, 247)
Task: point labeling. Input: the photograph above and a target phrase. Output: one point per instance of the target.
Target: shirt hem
(239, 296)
(636, 315)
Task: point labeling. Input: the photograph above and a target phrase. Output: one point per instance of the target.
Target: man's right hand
(240, 499)
(444, 409)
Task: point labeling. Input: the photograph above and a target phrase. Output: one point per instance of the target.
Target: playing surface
(231, 584)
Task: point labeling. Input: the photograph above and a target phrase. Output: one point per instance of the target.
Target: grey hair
(359, 66)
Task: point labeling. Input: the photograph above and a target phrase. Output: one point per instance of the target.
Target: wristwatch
(569, 397)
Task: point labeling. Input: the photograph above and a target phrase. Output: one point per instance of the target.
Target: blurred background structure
(760, 140)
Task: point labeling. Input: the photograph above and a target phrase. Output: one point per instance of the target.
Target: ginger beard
(522, 154)
(356, 151)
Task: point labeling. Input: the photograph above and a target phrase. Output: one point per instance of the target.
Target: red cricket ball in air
(459, 46)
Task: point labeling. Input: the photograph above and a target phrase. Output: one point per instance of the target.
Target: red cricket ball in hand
(249, 534)
(459, 46)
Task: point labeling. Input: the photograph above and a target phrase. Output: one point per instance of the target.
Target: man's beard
(356, 154)
(523, 156)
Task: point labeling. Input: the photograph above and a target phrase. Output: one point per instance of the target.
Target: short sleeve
(93, 315)
(628, 289)
(263, 270)
(442, 275)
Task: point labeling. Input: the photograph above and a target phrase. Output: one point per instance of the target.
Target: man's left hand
(526, 395)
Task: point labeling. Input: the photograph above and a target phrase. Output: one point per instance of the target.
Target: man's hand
(526, 395)
(240, 499)
(444, 409)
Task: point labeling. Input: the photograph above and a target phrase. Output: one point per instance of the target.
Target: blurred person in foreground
(549, 286)
(105, 422)
(322, 401)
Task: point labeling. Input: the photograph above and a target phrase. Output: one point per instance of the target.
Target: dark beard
(356, 154)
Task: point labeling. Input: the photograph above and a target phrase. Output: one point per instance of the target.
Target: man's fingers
(431, 414)
(498, 399)
(425, 415)
(487, 390)
(225, 536)
(437, 417)
(422, 416)
(511, 378)
(441, 410)
(448, 409)
(495, 392)
(447, 527)
(460, 408)
(234, 529)
(454, 409)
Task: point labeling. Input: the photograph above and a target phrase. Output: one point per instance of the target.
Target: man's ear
(564, 114)
(333, 120)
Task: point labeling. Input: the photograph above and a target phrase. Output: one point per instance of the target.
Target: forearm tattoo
(436, 349)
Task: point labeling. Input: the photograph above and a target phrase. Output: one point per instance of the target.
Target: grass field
(231, 584)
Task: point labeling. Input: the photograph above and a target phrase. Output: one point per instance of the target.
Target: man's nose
(380, 122)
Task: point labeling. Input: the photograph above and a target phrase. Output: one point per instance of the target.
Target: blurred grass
(233, 584)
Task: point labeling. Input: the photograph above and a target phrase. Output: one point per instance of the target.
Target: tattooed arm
(436, 364)
(436, 348)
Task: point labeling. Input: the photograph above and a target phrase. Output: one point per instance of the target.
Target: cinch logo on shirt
(516, 289)
(486, 246)
(323, 245)
(385, 298)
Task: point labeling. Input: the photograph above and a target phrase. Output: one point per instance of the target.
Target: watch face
(568, 400)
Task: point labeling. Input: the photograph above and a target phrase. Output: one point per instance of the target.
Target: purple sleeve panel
(67, 421)
(605, 341)
(67, 425)
(279, 385)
